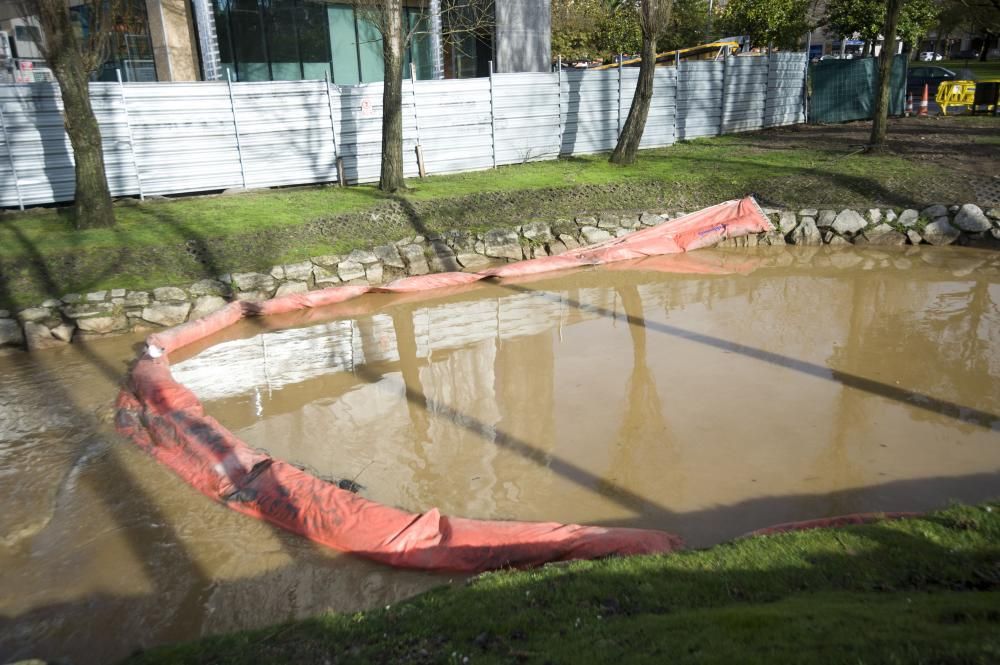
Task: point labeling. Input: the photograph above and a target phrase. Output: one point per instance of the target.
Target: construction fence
(172, 138)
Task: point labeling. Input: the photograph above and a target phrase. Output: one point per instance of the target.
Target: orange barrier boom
(166, 419)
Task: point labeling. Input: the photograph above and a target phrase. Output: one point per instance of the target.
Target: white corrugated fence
(171, 138)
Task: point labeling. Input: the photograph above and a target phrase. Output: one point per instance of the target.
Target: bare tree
(654, 15)
(73, 59)
(880, 120)
(459, 18)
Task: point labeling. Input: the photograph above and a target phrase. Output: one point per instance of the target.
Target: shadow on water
(965, 414)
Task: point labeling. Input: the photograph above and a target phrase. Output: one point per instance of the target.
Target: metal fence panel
(166, 138)
(699, 98)
(589, 110)
(744, 94)
(527, 111)
(785, 89)
(455, 125)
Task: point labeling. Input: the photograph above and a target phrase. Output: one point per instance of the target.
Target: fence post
(767, 91)
(805, 80)
(333, 132)
(559, 111)
(416, 122)
(131, 140)
(10, 157)
(236, 126)
(618, 134)
(722, 111)
(493, 118)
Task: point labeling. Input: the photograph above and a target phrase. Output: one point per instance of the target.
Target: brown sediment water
(823, 382)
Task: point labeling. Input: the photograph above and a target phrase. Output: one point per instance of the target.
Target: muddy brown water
(821, 382)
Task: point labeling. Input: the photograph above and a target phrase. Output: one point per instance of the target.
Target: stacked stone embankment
(67, 317)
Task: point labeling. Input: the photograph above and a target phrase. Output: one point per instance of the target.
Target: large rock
(102, 325)
(971, 218)
(413, 257)
(592, 234)
(650, 219)
(441, 257)
(934, 211)
(940, 233)
(608, 222)
(362, 256)
(298, 271)
(586, 221)
(204, 287)
(537, 231)
(166, 314)
(826, 218)
(169, 294)
(10, 333)
(806, 233)
(205, 305)
(96, 296)
(848, 222)
(38, 337)
(503, 244)
(324, 276)
(138, 298)
(63, 332)
(874, 215)
(883, 234)
(327, 260)
(915, 238)
(787, 221)
(253, 281)
(993, 213)
(389, 256)
(471, 260)
(374, 273)
(570, 241)
(291, 287)
(349, 270)
(34, 314)
(909, 217)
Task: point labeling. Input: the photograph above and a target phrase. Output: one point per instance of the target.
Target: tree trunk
(880, 120)
(986, 46)
(391, 178)
(628, 143)
(93, 200)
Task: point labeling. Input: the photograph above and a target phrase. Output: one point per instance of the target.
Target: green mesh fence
(844, 90)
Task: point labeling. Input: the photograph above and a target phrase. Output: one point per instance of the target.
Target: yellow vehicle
(710, 51)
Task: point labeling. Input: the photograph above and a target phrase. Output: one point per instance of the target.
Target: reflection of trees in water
(934, 337)
(644, 442)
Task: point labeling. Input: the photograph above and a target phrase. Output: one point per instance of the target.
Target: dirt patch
(968, 144)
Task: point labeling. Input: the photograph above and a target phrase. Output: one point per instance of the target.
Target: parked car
(931, 76)
(930, 56)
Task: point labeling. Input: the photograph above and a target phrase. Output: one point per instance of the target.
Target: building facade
(280, 40)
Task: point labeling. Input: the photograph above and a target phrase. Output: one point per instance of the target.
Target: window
(282, 40)
(28, 33)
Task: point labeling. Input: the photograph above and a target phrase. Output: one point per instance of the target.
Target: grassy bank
(914, 591)
(980, 70)
(185, 239)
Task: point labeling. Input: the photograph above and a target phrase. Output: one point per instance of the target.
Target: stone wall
(81, 315)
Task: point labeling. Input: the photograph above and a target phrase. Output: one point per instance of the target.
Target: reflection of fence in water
(275, 359)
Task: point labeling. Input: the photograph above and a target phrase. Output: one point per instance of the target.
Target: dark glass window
(248, 41)
(314, 40)
(282, 40)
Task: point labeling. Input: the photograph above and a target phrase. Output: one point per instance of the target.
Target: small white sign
(367, 110)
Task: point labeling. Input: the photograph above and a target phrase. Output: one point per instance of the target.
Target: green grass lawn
(981, 70)
(181, 240)
(913, 591)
